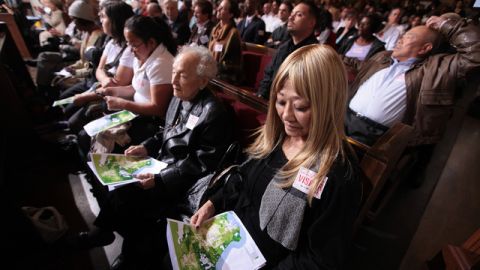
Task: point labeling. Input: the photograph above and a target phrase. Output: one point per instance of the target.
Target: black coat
(254, 32)
(194, 152)
(180, 30)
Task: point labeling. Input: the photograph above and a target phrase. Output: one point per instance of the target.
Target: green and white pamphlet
(64, 101)
(108, 121)
(116, 169)
(221, 242)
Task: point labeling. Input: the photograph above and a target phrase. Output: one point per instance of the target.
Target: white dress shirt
(383, 97)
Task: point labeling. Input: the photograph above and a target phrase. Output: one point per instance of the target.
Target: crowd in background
(380, 63)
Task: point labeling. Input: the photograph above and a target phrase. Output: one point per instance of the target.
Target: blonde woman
(300, 193)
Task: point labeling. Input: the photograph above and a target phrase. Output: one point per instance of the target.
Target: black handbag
(210, 184)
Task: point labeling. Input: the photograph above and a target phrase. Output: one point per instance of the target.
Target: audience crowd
(339, 69)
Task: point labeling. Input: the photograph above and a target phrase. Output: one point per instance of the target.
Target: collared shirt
(156, 70)
(248, 20)
(382, 98)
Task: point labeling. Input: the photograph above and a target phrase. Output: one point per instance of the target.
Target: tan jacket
(432, 82)
(226, 47)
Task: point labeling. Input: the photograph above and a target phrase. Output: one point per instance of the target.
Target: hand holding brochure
(64, 101)
(221, 242)
(116, 169)
(108, 121)
(63, 73)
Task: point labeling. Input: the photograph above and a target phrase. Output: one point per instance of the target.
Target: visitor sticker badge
(192, 121)
(304, 180)
(261, 32)
(204, 39)
(218, 47)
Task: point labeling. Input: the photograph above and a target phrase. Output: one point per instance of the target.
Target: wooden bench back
(378, 163)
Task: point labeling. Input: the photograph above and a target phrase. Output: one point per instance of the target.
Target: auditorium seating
(255, 60)
(377, 164)
(9, 20)
(464, 257)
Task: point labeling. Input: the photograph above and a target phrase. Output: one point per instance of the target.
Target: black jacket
(190, 152)
(283, 51)
(254, 32)
(280, 34)
(351, 32)
(201, 37)
(180, 30)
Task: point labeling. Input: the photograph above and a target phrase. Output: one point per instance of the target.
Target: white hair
(206, 66)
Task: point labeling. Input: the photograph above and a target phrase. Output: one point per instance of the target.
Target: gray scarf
(281, 213)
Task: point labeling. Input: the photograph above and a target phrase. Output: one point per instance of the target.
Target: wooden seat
(378, 163)
(464, 257)
(16, 35)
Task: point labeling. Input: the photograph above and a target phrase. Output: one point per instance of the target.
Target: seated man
(178, 24)
(413, 84)
(252, 28)
(301, 25)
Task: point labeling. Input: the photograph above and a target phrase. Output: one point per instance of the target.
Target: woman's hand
(115, 103)
(205, 212)
(81, 99)
(54, 32)
(109, 82)
(136, 150)
(147, 180)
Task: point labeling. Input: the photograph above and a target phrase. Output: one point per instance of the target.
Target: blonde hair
(318, 75)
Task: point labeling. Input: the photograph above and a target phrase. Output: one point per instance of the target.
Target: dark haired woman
(115, 66)
(152, 43)
(363, 45)
(225, 42)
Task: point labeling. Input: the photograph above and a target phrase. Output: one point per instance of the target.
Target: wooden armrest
(242, 95)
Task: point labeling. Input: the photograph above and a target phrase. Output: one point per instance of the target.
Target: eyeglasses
(135, 46)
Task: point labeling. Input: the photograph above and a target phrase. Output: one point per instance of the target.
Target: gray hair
(207, 66)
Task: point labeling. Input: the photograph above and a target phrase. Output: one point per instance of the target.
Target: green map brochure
(108, 121)
(64, 101)
(221, 242)
(115, 169)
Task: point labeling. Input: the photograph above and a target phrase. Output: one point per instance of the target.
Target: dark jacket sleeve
(327, 236)
(264, 88)
(212, 137)
(183, 34)
(154, 143)
(260, 33)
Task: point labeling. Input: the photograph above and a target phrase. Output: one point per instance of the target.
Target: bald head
(154, 10)
(418, 42)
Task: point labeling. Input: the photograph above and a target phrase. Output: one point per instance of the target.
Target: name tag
(192, 121)
(261, 32)
(204, 39)
(304, 180)
(218, 47)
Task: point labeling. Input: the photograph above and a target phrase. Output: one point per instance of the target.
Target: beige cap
(81, 9)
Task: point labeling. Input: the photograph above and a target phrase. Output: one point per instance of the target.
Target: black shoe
(92, 239)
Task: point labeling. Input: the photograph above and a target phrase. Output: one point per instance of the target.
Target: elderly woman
(225, 42)
(197, 132)
(298, 224)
